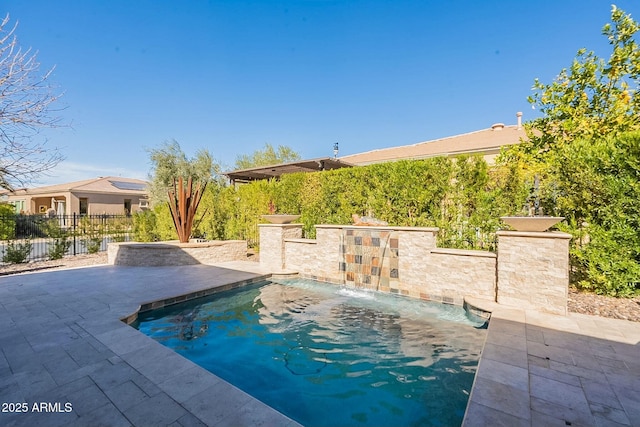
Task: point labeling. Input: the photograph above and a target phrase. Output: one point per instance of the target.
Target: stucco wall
(112, 204)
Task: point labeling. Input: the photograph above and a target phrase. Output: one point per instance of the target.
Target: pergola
(275, 171)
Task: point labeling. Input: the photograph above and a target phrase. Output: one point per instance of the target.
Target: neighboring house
(104, 195)
(487, 143)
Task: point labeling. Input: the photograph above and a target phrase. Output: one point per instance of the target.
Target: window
(19, 204)
(127, 206)
(84, 206)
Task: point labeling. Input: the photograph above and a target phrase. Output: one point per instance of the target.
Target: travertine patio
(62, 341)
(538, 369)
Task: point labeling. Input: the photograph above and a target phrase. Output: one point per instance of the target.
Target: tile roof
(94, 185)
(481, 142)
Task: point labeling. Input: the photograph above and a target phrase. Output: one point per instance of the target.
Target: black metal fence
(40, 237)
(465, 236)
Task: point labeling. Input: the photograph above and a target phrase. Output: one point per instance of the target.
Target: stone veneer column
(272, 253)
(414, 248)
(328, 256)
(533, 270)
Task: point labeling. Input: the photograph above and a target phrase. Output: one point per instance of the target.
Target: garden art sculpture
(183, 203)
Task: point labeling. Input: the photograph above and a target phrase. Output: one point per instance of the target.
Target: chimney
(519, 116)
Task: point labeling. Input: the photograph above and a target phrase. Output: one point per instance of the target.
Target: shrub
(7, 221)
(598, 184)
(117, 228)
(59, 247)
(92, 232)
(17, 253)
(453, 194)
(144, 226)
(92, 244)
(609, 263)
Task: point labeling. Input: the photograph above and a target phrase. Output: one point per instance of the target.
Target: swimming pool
(326, 355)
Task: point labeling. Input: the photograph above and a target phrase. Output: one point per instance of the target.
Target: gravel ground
(579, 302)
(599, 305)
(66, 262)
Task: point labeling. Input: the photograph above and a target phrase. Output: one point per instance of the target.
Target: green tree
(267, 156)
(594, 97)
(587, 161)
(169, 162)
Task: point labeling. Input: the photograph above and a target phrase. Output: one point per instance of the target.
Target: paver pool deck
(62, 342)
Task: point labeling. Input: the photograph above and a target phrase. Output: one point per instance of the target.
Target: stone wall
(329, 238)
(533, 270)
(317, 258)
(530, 270)
(411, 266)
(301, 255)
(455, 274)
(272, 248)
(174, 253)
(414, 249)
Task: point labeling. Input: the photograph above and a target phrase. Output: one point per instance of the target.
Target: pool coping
(79, 351)
(473, 310)
(65, 341)
(190, 296)
(477, 409)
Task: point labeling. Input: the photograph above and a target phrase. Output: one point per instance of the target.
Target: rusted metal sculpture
(183, 203)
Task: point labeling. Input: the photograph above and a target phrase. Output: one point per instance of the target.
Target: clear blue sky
(230, 76)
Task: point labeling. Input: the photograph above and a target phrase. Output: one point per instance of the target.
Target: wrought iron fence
(465, 236)
(39, 237)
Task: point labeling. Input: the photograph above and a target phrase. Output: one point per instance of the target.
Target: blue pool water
(331, 356)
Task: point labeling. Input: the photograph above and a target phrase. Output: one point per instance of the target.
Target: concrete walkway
(65, 354)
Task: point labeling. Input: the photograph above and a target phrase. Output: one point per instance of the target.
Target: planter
(531, 223)
(280, 219)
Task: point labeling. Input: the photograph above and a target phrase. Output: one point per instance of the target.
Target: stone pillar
(414, 245)
(533, 270)
(272, 253)
(328, 255)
